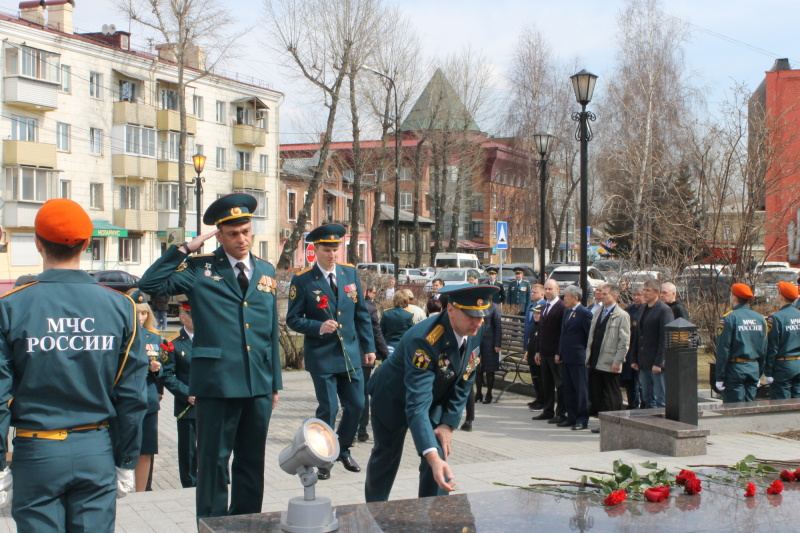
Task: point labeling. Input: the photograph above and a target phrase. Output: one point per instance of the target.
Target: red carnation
(797, 474)
(750, 490)
(616, 497)
(323, 302)
(684, 476)
(776, 487)
(693, 486)
(787, 475)
(168, 347)
(656, 494)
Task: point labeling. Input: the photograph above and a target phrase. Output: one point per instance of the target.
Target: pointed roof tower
(439, 108)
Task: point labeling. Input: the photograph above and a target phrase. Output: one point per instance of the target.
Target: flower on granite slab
(787, 475)
(656, 494)
(684, 476)
(693, 486)
(750, 490)
(616, 497)
(797, 474)
(776, 487)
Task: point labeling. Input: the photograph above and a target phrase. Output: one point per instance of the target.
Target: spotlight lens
(320, 440)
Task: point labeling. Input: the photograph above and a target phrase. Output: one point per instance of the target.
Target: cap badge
(236, 211)
(479, 302)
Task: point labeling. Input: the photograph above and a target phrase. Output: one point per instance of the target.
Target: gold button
(340, 325)
(340, 312)
(247, 326)
(248, 348)
(245, 304)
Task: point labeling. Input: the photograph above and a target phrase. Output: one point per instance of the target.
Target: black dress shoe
(530, 404)
(488, 398)
(478, 398)
(363, 437)
(466, 426)
(323, 473)
(349, 463)
(577, 427)
(596, 430)
(565, 423)
(542, 416)
(536, 405)
(557, 420)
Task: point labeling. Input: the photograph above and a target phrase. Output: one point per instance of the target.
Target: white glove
(720, 386)
(769, 379)
(124, 482)
(6, 482)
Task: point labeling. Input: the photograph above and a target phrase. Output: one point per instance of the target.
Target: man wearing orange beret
(782, 367)
(70, 353)
(741, 348)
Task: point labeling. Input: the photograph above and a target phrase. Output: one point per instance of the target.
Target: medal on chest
(351, 292)
(473, 363)
(152, 351)
(207, 271)
(444, 367)
(267, 284)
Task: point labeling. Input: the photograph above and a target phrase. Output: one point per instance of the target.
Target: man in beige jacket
(609, 338)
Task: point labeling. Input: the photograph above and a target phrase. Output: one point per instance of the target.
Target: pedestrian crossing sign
(502, 235)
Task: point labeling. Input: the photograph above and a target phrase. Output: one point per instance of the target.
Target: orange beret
(63, 221)
(789, 290)
(742, 291)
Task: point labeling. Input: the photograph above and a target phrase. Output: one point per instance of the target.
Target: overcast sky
(751, 34)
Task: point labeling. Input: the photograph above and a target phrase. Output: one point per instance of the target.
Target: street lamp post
(583, 84)
(396, 221)
(199, 163)
(542, 141)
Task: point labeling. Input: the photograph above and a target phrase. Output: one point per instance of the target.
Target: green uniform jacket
(176, 372)
(521, 295)
(500, 296)
(741, 334)
(323, 353)
(236, 353)
(425, 382)
(783, 339)
(70, 357)
(152, 347)
(394, 323)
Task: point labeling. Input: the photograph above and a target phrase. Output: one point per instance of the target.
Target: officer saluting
(423, 386)
(235, 373)
(326, 305)
(782, 367)
(176, 379)
(71, 359)
(500, 296)
(518, 291)
(741, 346)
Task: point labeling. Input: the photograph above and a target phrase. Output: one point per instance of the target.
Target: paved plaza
(505, 446)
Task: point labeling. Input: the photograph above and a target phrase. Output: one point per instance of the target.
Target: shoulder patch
(435, 334)
(347, 265)
(305, 270)
(421, 359)
(174, 336)
(20, 288)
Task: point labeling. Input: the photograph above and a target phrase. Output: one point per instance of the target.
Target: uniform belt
(792, 358)
(58, 434)
(740, 360)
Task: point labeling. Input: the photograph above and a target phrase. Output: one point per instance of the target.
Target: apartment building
(88, 118)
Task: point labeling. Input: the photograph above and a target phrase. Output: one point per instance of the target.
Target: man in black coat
(651, 344)
(572, 357)
(630, 377)
(549, 336)
(381, 351)
(669, 295)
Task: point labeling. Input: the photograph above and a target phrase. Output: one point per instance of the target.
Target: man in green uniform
(175, 377)
(741, 348)
(782, 367)
(70, 362)
(500, 296)
(235, 373)
(518, 291)
(423, 386)
(326, 305)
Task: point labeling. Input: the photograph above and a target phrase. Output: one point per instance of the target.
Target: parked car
(637, 277)
(508, 272)
(705, 281)
(411, 274)
(118, 280)
(771, 265)
(768, 281)
(453, 276)
(428, 272)
(571, 275)
(377, 268)
(612, 269)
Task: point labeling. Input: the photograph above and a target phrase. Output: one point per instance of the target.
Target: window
(494, 200)
(23, 129)
(410, 242)
(197, 106)
(140, 141)
(262, 163)
(97, 249)
(29, 184)
(96, 141)
(96, 195)
(220, 112)
(477, 202)
(348, 175)
(291, 204)
(405, 201)
(477, 228)
(402, 242)
(220, 158)
(198, 149)
(242, 160)
(129, 249)
(347, 205)
(263, 249)
(329, 205)
(170, 146)
(95, 85)
(65, 187)
(168, 198)
(191, 199)
(406, 174)
(26, 61)
(128, 197)
(169, 99)
(62, 137)
(127, 91)
(261, 198)
(244, 115)
(262, 118)
(362, 211)
(66, 79)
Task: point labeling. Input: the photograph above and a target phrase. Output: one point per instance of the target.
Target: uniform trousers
(574, 388)
(553, 398)
(604, 390)
(787, 381)
(65, 485)
(741, 382)
(329, 387)
(225, 426)
(363, 422)
(187, 452)
(385, 461)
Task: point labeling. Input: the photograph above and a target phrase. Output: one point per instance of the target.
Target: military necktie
(463, 349)
(242, 278)
(333, 285)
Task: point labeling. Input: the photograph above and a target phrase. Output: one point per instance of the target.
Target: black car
(118, 280)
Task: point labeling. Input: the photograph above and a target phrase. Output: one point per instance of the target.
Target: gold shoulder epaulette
(202, 255)
(729, 312)
(174, 336)
(153, 331)
(301, 272)
(19, 288)
(435, 334)
(347, 265)
(407, 310)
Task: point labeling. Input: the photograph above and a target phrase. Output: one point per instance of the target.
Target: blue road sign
(502, 235)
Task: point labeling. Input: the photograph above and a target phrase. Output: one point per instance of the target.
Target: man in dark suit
(549, 336)
(651, 344)
(529, 342)
(572, 358)
(236, 364)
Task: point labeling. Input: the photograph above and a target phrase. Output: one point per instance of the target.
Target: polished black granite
(718, 507)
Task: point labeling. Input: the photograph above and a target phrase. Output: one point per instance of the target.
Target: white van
(450, 260)
(377, 268)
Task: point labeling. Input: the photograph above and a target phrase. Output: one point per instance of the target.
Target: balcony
(133, 113)
(20, 214)
(168, 171)
(136, 219)
(30, 93)
(29, 153)
(169, 120)
(133, 166)
(245, 135)
(247, 179)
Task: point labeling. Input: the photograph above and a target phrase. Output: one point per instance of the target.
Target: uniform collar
(65, 275)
